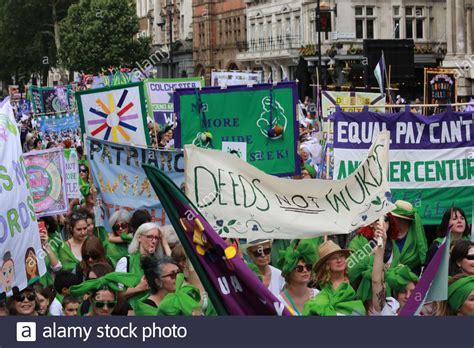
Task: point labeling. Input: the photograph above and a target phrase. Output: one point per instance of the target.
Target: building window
(365, 22)
(396, 11)
(396, 28)
(359, 28)
(415, 22)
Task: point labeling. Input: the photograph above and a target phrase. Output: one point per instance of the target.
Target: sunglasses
(105, 304)
(21, 298)
(83, 170)
(151, 238)
(262, 252)
(121, 226)
(171, 275)
(470, 257)
(93, 257)
(78, 216)
(301, 268)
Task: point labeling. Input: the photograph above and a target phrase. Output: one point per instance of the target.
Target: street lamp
(168, 13)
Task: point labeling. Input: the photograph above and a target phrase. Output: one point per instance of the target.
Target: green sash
(330, 302)
(67, 258)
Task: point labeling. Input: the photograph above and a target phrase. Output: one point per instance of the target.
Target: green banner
(258, 123)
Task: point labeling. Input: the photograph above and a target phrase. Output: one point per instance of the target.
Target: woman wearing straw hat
(296, 263)
(259, 252)
(411, 241)
(337, 297)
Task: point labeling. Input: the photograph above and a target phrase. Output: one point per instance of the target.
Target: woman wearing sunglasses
(259, 252)
(461, 260)
(116, 245)
(23, 302)
(296, 263)
(148, 240)
(103, 302)
(160, 275)
(336, 297)
(70, 251)
(164, 297)
(92, 252)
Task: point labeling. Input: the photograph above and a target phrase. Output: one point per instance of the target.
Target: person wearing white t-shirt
(259, 252)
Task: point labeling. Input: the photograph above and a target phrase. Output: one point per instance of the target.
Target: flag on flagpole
(379, 72)
(231, 286)
(433, 284)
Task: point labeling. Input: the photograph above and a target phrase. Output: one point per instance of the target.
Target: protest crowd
(135, 265)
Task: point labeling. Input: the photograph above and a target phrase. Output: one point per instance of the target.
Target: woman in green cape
(70, 251)
(411, 241)
(336, 297)
(148, 240)
(164, 277)
(116, 244)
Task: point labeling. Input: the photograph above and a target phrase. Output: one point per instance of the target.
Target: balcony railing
(275, 43)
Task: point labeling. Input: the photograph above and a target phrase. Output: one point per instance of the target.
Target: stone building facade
(219, 34)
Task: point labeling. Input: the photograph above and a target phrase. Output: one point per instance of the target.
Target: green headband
(459, 291)
(110, 280)
(330, 302)
(184, 300)
(310, 169)
(397, 279)
(289, 258)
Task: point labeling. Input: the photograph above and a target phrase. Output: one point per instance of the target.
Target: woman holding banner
(362, 246)
(337, 297)
(296, 263)
(397, 281)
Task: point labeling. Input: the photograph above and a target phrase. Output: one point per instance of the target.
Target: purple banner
(407, 130)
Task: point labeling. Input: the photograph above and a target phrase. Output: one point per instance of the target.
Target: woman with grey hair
(148, 240)
(116, 246)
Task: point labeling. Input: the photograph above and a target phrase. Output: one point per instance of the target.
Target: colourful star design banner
(116, 114)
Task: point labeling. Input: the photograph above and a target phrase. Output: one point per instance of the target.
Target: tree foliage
(27, 37)
(97, 34)
(26, 42)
